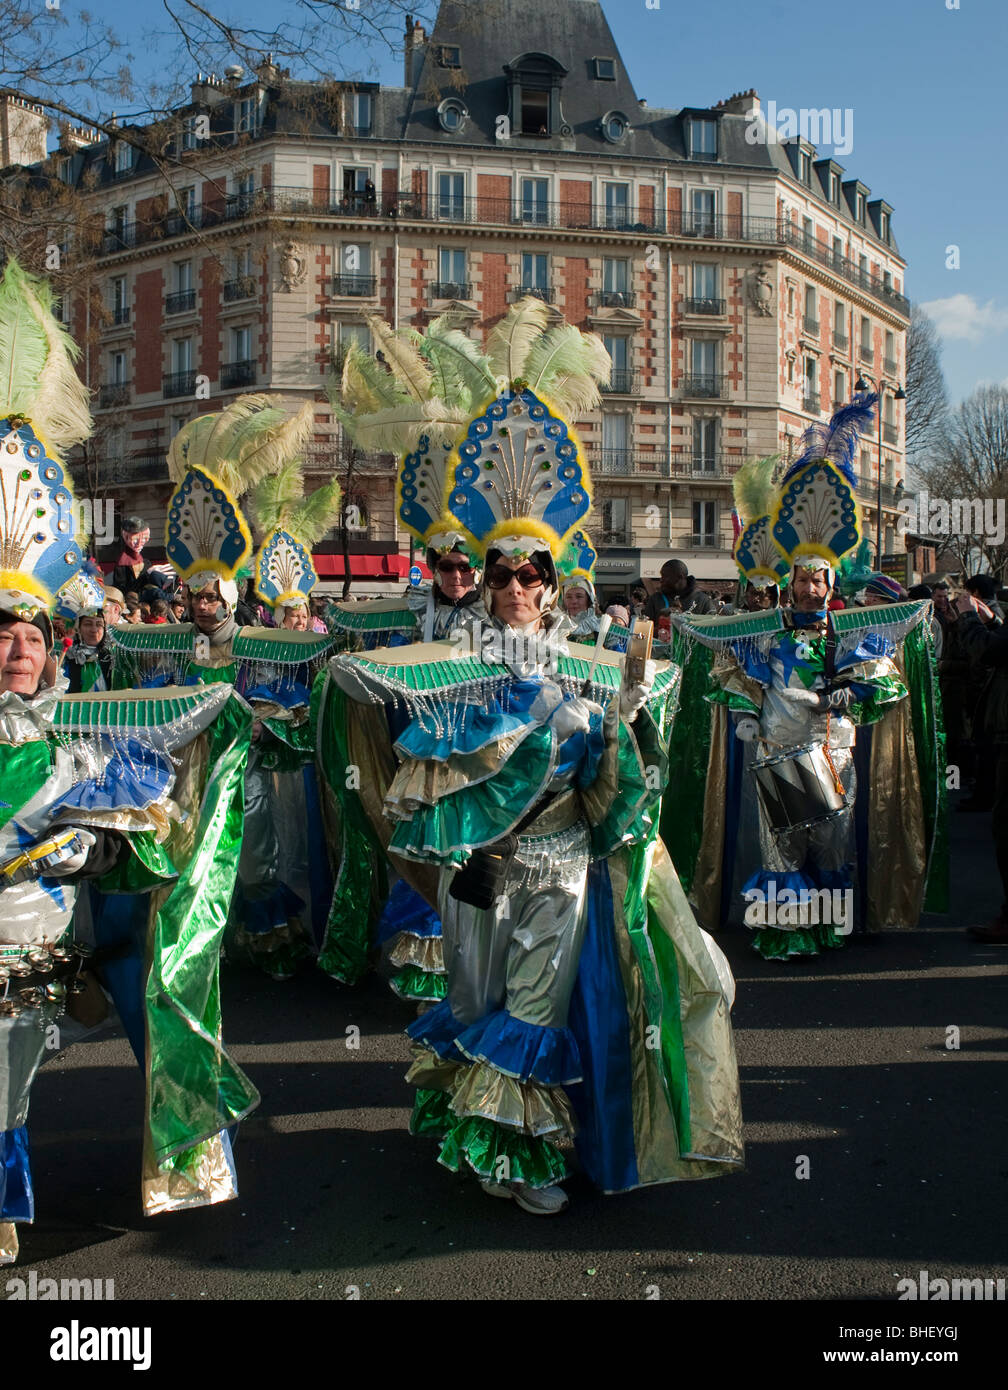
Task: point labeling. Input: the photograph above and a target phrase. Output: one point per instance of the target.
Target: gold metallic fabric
(897, 846)
(523, 1105)
(706, 891)
(425, 952)
(197, 1177)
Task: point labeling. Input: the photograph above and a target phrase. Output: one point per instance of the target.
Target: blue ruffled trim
(527, 1051)
(17, 1199)
(464, 729)
(134, 776)
(438, 1029)
(406, 911)
(291, 694)
(797, 880)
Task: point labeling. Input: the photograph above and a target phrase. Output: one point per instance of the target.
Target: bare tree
(970, 463)
(927, 398)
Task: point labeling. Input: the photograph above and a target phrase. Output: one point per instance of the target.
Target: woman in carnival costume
(415, 405)
(254, 447)
(92, 787)
(529, 781)
(816, 822)
(576, 569)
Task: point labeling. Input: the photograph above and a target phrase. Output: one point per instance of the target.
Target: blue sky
(925, 85)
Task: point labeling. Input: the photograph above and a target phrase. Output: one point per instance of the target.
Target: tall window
(183, 276)
(619, 350)
(241, 344)
(123, 157)
(615, 443)
(535, 271)
(812, 383)
(838, 254)
(246, 114)
(616, 520)
(535, 113)
(702, 138)
(704, 366)
(360, 111)
(808, 233)
(839, 323)
(451, 197)
(187, 200)
(804, 167)
(705, 433)
(705, 282)
(120, 300)
(703, 203)
(117, 368)
(615, 275)
(866, 339)
(811, 310)
(452, 269)
(181, 355)
(705, 523)
(346, 333)
(535, 201)
(839, 388)
(617, 204)
(890, 352)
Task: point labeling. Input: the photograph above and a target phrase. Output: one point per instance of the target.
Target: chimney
(23, 130)
(416, 42)
(740, 103)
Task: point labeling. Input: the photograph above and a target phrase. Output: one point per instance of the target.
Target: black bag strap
(535, 812)
(829, 661)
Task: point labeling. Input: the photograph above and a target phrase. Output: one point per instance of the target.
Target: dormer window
(861, 208)
(361, 110)
(534, 82)
(805, 167)
(123, 158)
(450, 56)
(452, 115)
(702, 138)
(615, 127)
(884, 226)
(834, 188)
(246, 116)
(605, 69)
(190, 131)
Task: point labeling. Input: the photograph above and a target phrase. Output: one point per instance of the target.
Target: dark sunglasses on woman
(447, 566)
(500, 576)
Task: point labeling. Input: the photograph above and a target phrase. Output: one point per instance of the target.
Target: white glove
(747, 730)
(69, 858)
(633, 698)
(573, 717)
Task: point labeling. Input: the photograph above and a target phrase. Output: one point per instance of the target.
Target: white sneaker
(496, 1189)
(540, 1201)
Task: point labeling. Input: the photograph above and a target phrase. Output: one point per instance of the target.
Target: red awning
(388, 566)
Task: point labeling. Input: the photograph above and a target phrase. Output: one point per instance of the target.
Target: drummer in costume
(524, 783)
(93, 787)
(781, 821)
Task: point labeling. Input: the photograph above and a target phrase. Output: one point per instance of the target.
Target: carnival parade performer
(88, 663)
(528, 779)
(786, 822)
(87, 790)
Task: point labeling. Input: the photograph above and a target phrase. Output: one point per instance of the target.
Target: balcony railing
(841, 342)
(181, 302)
(703, 467)
(622, 463)
(890, 432)
(355, 286)
(544, 292)
(234, 374)
(866, 354)
(622, 538)
(120, 314)
(703, 306)
(574, 216)
(890, 366)
(615, 299)
(244, 287)
(710, 540)
(114, 393)
(621, 381)
(330, 460)
(141, 468)
(178, 384)
(868, 490)
(810, 326)
(709, 385)
(451, 289)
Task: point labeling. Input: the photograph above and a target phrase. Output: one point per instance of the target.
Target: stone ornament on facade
(761, 291)
(293, 265)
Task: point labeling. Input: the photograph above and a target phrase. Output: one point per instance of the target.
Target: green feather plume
(37, 376)
(753, 488)
(367, 385)
(241, 444)
(402, 358)
(276, 495)
(315, 514)
(510, 343)
(566, 354)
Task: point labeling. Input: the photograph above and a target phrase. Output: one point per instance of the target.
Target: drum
(796, 788)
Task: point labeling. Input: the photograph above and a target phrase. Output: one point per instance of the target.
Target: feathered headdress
(423, 400)
(84, 596)
(817, 519)
(293, 523)
(758, 559)
(576, 566)
(43, 412)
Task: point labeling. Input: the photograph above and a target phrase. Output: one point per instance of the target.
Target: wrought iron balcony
(615, 299)
(812, 403)
(355, 286)
(545, 292)
(890, 432)
(120, 314)
(622, 382)
(451, 289)
(178, 384)
(710, 540)
(181, 302)
(622, 538)
(889, 366)
(703, 306)
(119, 238)
(702, 467)
(235, 374)
(638, 461)
(708, 385)
(866, 354)
(244, 287)
(841, 342)
(810, 326)
(114, 393)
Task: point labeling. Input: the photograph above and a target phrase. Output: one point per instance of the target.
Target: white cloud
(960, 316)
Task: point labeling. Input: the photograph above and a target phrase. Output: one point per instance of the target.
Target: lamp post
(898, 394)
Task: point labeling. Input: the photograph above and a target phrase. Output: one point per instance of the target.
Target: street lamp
(898, 395)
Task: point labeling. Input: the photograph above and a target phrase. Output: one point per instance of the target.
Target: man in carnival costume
(529, 779)
(823, 797)
(88, 788)
(88, 663)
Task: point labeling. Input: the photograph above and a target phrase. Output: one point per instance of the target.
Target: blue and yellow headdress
(43, 412)
(757, 557)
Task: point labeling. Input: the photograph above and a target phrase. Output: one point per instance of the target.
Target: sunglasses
(500, 576)
(446, 567)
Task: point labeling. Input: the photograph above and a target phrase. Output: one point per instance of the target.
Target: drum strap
(829, 672)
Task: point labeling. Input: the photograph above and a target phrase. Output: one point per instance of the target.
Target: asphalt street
(844, 1061)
